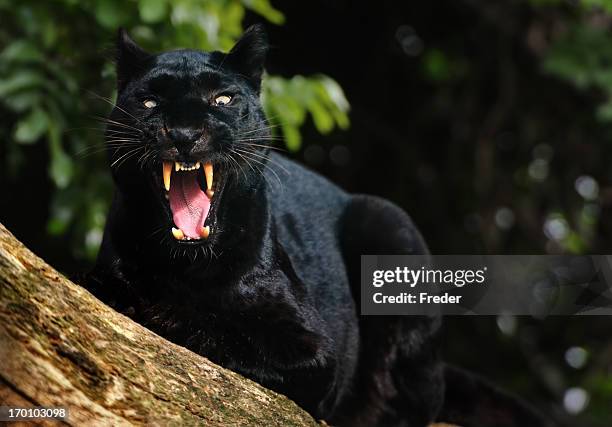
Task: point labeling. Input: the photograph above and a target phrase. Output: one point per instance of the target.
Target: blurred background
(489, 121)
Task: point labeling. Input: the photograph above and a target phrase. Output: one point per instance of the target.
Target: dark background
(487, 121)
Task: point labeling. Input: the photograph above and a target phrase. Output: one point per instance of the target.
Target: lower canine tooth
(178, 233)
(205, 232)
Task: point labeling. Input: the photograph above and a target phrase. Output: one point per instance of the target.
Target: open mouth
(190, 190)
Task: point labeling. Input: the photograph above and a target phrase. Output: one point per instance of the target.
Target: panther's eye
(149, 103)
(222, 100)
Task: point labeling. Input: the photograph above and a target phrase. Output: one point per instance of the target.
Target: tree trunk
(61, 347)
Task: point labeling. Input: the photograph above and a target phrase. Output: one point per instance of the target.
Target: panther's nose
(184, 138)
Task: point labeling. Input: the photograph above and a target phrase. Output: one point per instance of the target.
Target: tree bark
(61, 347)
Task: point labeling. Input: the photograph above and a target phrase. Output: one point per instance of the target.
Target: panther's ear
(131, 59)
(247, 57)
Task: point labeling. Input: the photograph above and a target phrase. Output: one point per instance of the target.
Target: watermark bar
(32, 413)
(534, 285)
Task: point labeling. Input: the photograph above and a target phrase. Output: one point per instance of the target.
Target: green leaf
(152, 11)
(321, 117)
(21, 51)
(22, 101)
(20, 81)
(331, 94)
(32, 127)
(265, 9)
(61, 169)
(293, 139)
(335, 93)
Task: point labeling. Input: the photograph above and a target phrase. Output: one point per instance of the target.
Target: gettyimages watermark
(535, 285)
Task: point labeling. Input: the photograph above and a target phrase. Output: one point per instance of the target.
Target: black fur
(272, 292)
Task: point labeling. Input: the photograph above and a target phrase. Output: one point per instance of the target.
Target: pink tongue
(189, 204)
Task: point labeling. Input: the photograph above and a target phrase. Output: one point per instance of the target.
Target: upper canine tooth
(208, 172)
(167, 171)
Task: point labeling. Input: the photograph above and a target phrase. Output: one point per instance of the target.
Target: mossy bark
(60, 346)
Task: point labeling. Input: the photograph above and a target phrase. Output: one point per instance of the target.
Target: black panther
(221, 245)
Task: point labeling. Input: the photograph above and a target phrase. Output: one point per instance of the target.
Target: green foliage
(583, 53)
(584, 56)
(54, 70)
(287, 101)
(580, 52)
(605, 5)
